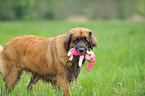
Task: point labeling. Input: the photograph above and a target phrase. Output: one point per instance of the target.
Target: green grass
(120, 55)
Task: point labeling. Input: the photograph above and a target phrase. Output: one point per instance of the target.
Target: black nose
(81, 50)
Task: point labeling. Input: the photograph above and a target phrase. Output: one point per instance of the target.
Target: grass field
(120, 55)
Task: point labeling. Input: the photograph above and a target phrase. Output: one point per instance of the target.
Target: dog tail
(1, 48)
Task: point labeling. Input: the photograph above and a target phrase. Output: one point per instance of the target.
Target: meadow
(120, 55)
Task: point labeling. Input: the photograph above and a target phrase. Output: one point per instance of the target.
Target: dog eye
(76, 40)
(85, 39)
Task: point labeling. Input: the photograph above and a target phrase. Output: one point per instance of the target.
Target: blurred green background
(71, 9)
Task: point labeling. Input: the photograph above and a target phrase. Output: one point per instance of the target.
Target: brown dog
(1, 48)
(45, 58)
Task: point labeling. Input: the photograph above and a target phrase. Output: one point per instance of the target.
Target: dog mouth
(81, 50)
(81, 47)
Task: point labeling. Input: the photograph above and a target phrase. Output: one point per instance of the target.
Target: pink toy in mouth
(89, 56)
(74, 52)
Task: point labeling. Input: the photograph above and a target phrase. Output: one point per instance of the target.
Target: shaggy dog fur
(45, 58)
(1, 48)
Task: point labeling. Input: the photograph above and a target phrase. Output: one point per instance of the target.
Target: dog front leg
(63, 85)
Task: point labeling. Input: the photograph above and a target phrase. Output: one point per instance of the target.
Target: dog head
(81, 39)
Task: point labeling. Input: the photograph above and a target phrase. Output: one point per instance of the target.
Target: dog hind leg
(34, 80)
(11, 78)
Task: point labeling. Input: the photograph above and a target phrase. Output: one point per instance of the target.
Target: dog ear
(93, 41)
(67, 42)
